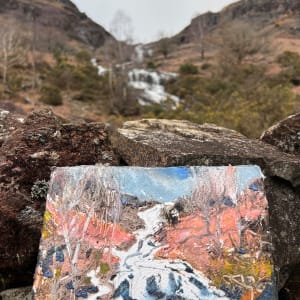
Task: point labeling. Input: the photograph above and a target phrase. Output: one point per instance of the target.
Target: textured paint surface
(155, 233)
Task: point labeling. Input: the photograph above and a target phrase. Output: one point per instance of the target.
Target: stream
(141, 276)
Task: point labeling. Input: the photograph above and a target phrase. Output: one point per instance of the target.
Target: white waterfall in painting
(141, 276)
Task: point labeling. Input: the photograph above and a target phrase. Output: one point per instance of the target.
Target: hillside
(51, 46)
(230, 68)
(276, 19)
(54, 23)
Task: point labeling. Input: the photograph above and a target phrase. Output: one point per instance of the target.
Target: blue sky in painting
(160, 184)
(168, 184)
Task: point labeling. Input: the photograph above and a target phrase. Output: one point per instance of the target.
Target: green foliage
(104, 268)
(81, 80)
(58, 55)
(151, 65)
(188, 69)
(247, 100)
(289, 59)
(51, 95)
(206, 66)
(83, 56)
(290, 62)
(87, 280)
(15, 81)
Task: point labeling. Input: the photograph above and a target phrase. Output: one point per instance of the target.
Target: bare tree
(33, 16)
(12, 49)
(121, 28)
(164, 44)
(198, 32)
(238, 41)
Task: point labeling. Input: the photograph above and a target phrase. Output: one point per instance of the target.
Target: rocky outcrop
(257, 12)
(285, 135)
(27, 157)
(252, 7)
(44, 141)
(169, 143)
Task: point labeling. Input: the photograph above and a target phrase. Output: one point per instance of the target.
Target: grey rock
(173, 143)
(285, 135)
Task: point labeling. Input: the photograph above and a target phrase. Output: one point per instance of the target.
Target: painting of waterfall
(155, 233)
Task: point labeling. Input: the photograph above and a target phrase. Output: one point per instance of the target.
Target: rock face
(285, 135)
(169, 143)
(26, 159)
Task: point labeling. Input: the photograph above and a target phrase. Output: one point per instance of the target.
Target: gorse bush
(188, 68)
(288, 59)
(151, 65)
(51, 95)
(81, 80)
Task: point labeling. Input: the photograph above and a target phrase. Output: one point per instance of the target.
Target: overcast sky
(149, 17)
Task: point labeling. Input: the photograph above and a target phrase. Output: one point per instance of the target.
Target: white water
(101, 70)
(151, 85)
(139, 264)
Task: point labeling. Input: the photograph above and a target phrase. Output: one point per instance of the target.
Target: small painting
(155, 233)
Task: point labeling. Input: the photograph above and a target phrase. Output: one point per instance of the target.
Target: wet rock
(173, 143)
(27, 156)
(285, 135)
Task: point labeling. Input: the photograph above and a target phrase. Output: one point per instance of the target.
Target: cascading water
(151, 83)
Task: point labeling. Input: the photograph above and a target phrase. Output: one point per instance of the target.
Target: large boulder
(27, 157)
(172, 143)
(285, 135)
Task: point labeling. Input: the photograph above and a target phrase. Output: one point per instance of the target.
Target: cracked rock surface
(27, 156)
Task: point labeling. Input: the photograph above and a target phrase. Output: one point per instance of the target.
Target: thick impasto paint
(155, 233)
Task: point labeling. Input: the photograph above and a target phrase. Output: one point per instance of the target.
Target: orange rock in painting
(198, 238)
(97, 233)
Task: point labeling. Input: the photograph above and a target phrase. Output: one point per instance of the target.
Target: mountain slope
(258, 12)
(278, 20)
(57, 20)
